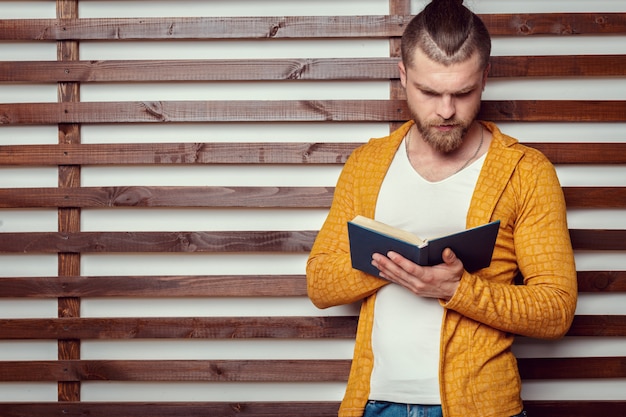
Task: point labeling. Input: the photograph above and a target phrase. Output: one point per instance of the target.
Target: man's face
(443, 100)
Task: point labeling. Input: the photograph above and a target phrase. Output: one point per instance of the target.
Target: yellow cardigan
(478, 373)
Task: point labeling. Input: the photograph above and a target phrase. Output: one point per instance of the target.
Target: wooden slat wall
(70, 241)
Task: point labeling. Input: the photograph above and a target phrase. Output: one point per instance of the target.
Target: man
(436, 340)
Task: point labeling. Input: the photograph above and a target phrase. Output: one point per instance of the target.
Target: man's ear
(402, 69)
(486, 75)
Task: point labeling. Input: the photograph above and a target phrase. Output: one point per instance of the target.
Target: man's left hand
(439, 281)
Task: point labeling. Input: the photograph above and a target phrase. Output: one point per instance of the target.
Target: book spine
(421, 255)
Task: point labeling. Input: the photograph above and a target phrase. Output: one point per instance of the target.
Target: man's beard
(445, 142)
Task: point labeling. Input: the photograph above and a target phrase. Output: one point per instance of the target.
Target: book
(367, 236)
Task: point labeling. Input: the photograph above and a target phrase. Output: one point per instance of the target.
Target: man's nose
(446, 108)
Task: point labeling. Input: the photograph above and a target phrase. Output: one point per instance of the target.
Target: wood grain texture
(160, 286)
(270, 408)
(16, 114)
(600, 240)
(171, 28)
(576, 408)
(595, 197)
(172, 196)
(292, 327)
(309, 370)
(284, 153)
(558, 24)
(262, 153)
(233, 197)
(169, 409)
(236, 327)
(215, 285)
(306, 69)
(69, 219)
(159, 242)
(294, 241)
(294, 27)
(292, 371)
(600, 326)
(599, 281)
(572, 368)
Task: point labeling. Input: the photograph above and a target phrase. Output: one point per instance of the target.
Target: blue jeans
(387, 409)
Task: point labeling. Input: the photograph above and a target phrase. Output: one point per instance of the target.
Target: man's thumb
(448, 256)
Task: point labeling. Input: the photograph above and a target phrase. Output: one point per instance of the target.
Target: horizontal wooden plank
(595, 197)
(14, 114)
(574, 408)
(572, 368)
(598, 325)
(562, 66)
(554, 23)
(172, 409)
(564, 408)
(308, 370)
(209, 70)
(329, 370)
(553, 111)
(238, 153)
(233, 197)
(158, 286)
(153, 242)
(601, 281)
(141, 196)
(320, 69)
(222, 242)
(178, 153)
(234, 328)
(176, 28)
(591, 239)
(202, 111)
(290, 327)
(215, 285)
(293, 27)
(593, 153)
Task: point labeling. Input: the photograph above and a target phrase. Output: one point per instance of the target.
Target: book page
(388, 230)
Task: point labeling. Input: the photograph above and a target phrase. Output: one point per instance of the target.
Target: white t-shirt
(407, 328)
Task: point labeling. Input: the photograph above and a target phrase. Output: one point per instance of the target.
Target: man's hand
(439, 281)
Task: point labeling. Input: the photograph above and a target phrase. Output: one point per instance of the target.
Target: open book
(473, 246)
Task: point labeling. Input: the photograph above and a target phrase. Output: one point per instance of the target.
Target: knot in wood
(563, 29)
(274, 29)
(602, 281)
(602, 20)
(155, 109)
(297, 72)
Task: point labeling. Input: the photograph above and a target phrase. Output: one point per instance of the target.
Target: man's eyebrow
(429, 90)
(426, 89)
(467, 89)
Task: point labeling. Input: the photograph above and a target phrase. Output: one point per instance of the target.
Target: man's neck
(435, 165)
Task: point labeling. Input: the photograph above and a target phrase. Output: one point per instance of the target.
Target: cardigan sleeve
(330, 278)
(539, 244)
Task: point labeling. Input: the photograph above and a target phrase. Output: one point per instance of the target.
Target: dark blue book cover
(473, 246)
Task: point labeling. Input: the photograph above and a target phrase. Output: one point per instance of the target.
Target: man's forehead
(422, 61)
(439, 77)
(419, 57)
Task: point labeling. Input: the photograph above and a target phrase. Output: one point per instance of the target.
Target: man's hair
(448, 33)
